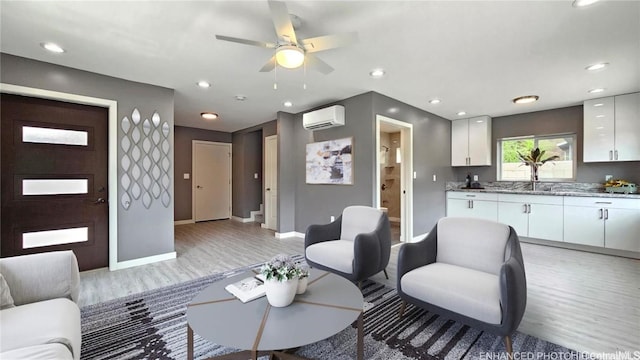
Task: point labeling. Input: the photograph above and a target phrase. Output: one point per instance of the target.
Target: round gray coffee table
(330, 304)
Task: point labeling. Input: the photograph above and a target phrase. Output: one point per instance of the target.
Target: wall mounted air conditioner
(324, 118)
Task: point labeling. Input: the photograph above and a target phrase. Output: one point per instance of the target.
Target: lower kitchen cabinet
(473, 205)
(534, 216)
(612, 223)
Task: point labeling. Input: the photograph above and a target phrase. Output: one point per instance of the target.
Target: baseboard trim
(184, 222)
(264, 226)
(142, 261)
(254, 213)
(289, 234)
(242, 220)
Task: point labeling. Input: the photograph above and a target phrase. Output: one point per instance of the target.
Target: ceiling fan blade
(269, 65)
(327, 42)
(282, 21)
(247, 42)
(315, 63)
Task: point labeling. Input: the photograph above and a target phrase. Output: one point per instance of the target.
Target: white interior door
(211, 181)
(271, 182)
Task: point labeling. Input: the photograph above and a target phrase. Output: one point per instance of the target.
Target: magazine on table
(247, 289)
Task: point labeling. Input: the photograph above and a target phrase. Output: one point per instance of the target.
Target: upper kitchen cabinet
(612, 128)
(471, 141)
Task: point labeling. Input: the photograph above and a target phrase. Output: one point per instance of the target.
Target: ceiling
(474, 56)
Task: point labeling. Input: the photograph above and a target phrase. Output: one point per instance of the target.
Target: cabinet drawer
(531, 199)
(468, 195)
(601, 202)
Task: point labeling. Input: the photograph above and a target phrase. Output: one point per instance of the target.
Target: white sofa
(44, 322)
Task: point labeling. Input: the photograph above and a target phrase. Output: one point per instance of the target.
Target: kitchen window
(510, 168)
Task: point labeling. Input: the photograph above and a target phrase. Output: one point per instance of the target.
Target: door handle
(610, 155)
(199, 187)
(471, 203)
(601, 214)
(525, 208)
(529, 208)
(268, 189)
(606, 214)
(615, 155)
(100, 201)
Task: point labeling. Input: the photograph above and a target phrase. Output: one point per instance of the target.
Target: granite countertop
(550, 192)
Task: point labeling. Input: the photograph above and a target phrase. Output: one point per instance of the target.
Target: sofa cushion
(357, 220)
(54, 321)
(472, 243)
(37, 352)
(335, 254)
(472, 293)
(6, 301)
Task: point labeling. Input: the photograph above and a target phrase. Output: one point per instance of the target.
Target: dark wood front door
(54, 179)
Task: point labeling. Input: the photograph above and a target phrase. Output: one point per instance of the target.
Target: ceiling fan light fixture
(209, 115)
(289, 56)
(527, 99)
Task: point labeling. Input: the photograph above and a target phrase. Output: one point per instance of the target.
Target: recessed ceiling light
(434, 101)
(581, 3)
(393, 110)
(209, 115)
(241, 97)
(596, 90)
(377, 73)
(598, 104)
(599, 116)
(54, 48)
(204, 84)
(527, 99)
(461, 113)
(287, 104)
(598, 66)
(600, 128)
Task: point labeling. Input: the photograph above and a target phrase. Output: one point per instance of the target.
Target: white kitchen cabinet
(612, 223)
(473, 205)
(534, 216)
(471, 141)
(612, 128)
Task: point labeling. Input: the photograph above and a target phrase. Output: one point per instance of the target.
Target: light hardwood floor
(584, 301)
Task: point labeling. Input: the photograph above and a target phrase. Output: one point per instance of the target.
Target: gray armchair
(468, 270)
(356, 246)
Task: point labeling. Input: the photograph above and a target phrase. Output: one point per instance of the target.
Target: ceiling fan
(291, 52)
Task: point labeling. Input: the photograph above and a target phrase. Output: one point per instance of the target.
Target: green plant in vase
(534, 159)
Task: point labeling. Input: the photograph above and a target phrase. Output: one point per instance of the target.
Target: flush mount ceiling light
(598, 104)
(289, 56)
(54, 48)
(240, 97)
(287, 104)
(598, 66)
(204, 84)
(527, 99)
(209, 115)
(583, 3)
(434, 101)
(596, 90)
(462, 113)
(376, 73)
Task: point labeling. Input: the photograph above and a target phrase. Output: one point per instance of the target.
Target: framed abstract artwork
(330, 162)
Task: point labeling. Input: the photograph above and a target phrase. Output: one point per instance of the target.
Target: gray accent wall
(184, 137)
(141, 232)
(555, 121)
(315, 204)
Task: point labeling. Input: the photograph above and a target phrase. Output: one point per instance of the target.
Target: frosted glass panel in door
(54, 237)
(31, 134)
(54, 186)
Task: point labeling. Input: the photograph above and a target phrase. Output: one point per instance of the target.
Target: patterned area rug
(152, 325)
